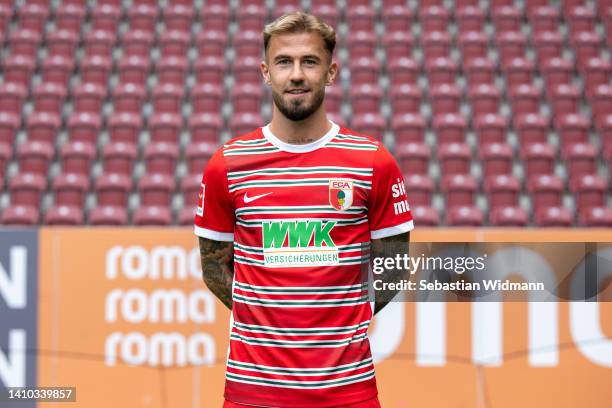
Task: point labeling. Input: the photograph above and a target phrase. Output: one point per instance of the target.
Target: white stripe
(258, 341)
(299, 303)
(299, 331)
(259, 368)
(274, 171)
(245, 379)
(214, 235)
(390, 231)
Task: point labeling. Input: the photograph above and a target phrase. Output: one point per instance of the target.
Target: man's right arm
(218, 268)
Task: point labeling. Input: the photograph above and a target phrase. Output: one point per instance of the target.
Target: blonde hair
(298, 22)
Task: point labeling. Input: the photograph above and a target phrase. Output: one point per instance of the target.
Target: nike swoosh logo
(250, 199)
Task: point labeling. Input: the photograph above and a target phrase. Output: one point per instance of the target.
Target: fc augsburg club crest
(340, 193)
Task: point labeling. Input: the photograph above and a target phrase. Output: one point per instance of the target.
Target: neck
(299, 132)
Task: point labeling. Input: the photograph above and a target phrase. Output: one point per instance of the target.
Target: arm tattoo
(390, 247)
(218, 268)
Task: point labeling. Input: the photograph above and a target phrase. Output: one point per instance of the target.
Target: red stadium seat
(503, 190)
(25, 42)
(480, 71)
(161, 158)
(548, 45)
(605, 129)
(397, 18)
(450, 128)
(27, 189)
(112, 190)
(597, 72)
(49, 97)
(12, 97)
(470, 18)
(436, 44)
(557, 71)
(9, 125)
(129, 98)
(405, 98)
(441, 70)
(248, 71)
(420, 187)
(108, 216)
(143, 17)
(361, 17)
(215, 17)
(62, 42)
(425, 216)
(165, 127)
(20, 215)
(133, 69)
(398, 44)
(580, 159)
(553, 217)
(207, 98)
(524, 99)
(178, 17)
(511, 44)
(413, 158)
(210, 70)
(596, 217)
(519, 71)
(119, 158)
(601, 101)
(362, 44)
(77, 157)
(191, 185)
(445, 99)
(247, 44)
(167, 98)
(69, 17)
(100, 42)
(464, 216)
(156, 189)
(328, 12)
(408, 127)
(364, 70)
(244, 123)
(18, 69)
(205, 128)
(57, 69)
(251, 16)
(509, 216)
(211, 42)
(34, 157)
(434, 18)
(105, 17)
(573, 128)
(64, 215)
(88, 98)
(152, 216)
(403, 71)
(539, 158)
(70, 189)
(247, 98)
(473, 44)
(43, 127)
(491, 128)
(506, 18)
(581, 18)
(84, 127)
(333, 99)
(186, 215)
(365, 99)
(586, 46)
(138, 43)
(590, 191)
(544, 18)
(455, 158)
(6, 152)
(372, 124)
(95, 70)
(172, 70)
(496, 159)
(197, 155)
(174, 43)
(564, 99)
(546, 191)
(281, 8)
(484, 99)
(6, 11)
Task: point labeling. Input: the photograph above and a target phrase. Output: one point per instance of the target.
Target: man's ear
(332, 72)
(265, 72)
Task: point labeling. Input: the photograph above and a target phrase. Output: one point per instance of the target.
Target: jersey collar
(302, 148)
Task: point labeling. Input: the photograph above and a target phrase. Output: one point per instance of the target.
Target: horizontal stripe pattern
(273, 342)
(257, 223)
(300, 384)
(287, 183)
(296, 171)
(302, 372)
(301, 331)
(301, 290)
(297, 209)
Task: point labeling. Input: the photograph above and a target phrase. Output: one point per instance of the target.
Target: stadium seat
(596, 217)
(197, 155)
(172, 70)
(538, 158)
(496, 159)
(434, 18)
(247, 98)
(119, 157)
(328, 11)
(105, 17)
(70, 17)
(580, 159)
(211, 42)
(160, 158)
(553, 217)
(590, 191)
(397, 18)
(406, 99)
(12, 97)
(18, 69)
(20, 215)
(62, 42)
(502, 190)
(156, 189)
(491, 128)
(165, 127)
(470, 18)
(25, 42)
(581, 18)
(205, 127)
(333, 99)
(251, 16)
(108, 216)
(84, 127)
(524, 99)
(143, 17)
(585, 45)
(283, 7)
(43, 127)
(128, 98)
(408, 127)
(5, 155)
(138, 43)
(210, 70)
(174, 43)
(365, 98)
(186, 215)
(473, 44)
(34, 157)
(425, 216)
(511, 44)
(27, 189)
(454, 158)
(484, 99)
(77, 157)
(64, 215)
(450, 128)
(49, 97)
(479, 71)
(564, 99)
(178, 17)
(509, 216)
(247, 44)
(100, 42)
(70, 189)
(531, 128)
(597, 72)
(604, 127)
(207, 98)
(112, 190)
(573, 128)
(362, 44)
(152, 216)
(398, 44)
(215, 17)
(544, 18)
(364, 71)
(372, 124)
(519, 71)
(464, 216)
(6, 12)
(546, 190)
(9, 125)
(404, 71)
(413, 157)
(167, 98)
(420, 188)
(557, 71)
(191, 185)
(247, 71)
(441, 70)
(133, 69)
(601, 101)
(89, 98)
(436, 44)
(361, 17)
(445, 98)
(506, 18)
(95, 70)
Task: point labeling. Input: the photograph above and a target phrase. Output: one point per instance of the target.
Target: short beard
(297, 112)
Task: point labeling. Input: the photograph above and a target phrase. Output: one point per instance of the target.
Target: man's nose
(297, 74)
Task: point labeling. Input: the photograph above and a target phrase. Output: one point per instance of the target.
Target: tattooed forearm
(388, 248)
(218, 268)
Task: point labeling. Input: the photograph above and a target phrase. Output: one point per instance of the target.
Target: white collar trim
(301, 148)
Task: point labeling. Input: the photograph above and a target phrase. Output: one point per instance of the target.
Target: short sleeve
(388, 210)
(214, 217)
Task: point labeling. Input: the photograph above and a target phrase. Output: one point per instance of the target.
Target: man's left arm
(390, 247)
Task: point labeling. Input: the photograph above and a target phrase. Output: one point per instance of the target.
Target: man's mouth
(297, 91)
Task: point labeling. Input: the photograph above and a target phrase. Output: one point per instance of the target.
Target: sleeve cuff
(390, 231)
(214, 235)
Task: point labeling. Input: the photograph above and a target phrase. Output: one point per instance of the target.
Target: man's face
(298, 68)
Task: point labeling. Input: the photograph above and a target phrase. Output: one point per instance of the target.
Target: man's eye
(283, 61)
(310, 62)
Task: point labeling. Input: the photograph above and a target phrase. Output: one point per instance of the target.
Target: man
(285, 219)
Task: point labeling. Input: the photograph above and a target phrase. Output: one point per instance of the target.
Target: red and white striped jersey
(301, 218)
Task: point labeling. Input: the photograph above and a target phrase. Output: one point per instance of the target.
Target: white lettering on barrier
(13, 366)
(161, 262)
(13, 285)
